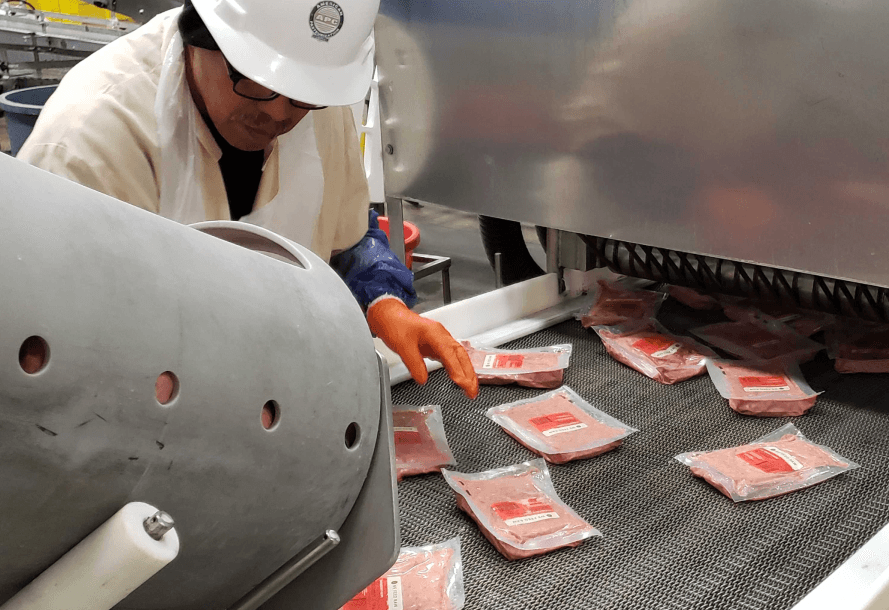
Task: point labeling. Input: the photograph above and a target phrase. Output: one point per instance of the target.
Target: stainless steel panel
(750, 130)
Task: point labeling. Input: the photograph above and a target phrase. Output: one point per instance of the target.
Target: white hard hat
(317, 52)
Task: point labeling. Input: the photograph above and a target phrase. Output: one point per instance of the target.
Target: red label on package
(771, 459)
(383, 594)
(557, 423)
(407, 436)
(524, 511)
(766, 383)
(657, 346)
(503, 361)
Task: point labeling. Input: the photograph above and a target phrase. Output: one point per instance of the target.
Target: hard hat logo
(326, 19)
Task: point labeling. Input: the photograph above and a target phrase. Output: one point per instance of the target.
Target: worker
(240, 110)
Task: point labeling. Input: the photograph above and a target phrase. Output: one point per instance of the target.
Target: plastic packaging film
(775, 464)
(103, 568)
(560, 426)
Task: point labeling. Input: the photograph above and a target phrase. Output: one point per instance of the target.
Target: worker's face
(244, 123)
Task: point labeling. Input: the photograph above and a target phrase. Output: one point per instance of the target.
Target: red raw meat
(806, 323)
(860, 348)
(759, 340)
(546, 371)
(421, 579)
(418, 448)
(561, 431)
(765, 389)
(518, 514)
(763, 470)
(615, 305)
(656, 354)
(692, 298)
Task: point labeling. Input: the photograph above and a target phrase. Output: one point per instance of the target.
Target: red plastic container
(411, 239)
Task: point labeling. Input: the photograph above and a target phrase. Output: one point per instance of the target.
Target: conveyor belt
(671, 541)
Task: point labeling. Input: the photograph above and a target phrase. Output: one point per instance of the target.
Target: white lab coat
(123, 122)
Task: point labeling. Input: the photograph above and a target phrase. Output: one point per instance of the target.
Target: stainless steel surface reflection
(744, 129)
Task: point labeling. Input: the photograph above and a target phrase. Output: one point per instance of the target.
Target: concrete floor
(448, 232)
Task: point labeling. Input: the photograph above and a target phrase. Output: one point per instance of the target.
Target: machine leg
(552, 251)
(446, 286)
(395, 213)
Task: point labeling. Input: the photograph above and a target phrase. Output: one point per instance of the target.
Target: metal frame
(434, 264)
(28, 31)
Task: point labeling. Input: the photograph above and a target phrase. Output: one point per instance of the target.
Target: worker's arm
(371, 270)
(384, 287)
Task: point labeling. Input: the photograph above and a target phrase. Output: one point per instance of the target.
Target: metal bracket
(430, 264)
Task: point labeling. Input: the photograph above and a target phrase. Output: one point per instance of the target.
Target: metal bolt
(390, 149)
(158, 524)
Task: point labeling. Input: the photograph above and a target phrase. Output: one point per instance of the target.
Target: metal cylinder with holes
(141, 359)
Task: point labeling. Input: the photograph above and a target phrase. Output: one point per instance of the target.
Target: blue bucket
(22, 107)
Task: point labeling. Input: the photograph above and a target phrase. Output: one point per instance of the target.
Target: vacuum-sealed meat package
(617, 305)
(759, 340)
(655, 352)
(423, 578)
(518, 510)
(763, 388)
(692, 298)
(804, 322)
(420, 442)
(859, 347)
(560, 426)
(776, 464)
(539, 367)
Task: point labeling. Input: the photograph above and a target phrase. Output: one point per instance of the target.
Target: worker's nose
(279, 109)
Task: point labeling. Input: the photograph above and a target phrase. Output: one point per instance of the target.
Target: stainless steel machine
(735, 146)
(236, 390)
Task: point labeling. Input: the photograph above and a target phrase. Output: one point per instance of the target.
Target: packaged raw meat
(759, 340)
(539, 367)
(805, 322)
(692, 298)
(617, 305)
(560, 426)
(423, 578)
(655, 352)
(420, 442)
(763, 388)
(859, 347)
(518, 510)
(775, 464)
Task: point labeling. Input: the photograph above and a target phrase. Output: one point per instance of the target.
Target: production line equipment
(191, 418)
(731, 146)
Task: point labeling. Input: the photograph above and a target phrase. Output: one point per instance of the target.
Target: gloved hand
(414, 337)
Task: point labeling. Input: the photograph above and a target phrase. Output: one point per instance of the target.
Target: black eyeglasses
(252, 90)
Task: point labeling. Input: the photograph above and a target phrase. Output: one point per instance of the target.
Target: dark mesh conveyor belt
(670, 539)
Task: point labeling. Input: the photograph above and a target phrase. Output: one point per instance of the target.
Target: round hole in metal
(166, 388)
(33, 355)
(271, 415)
(353, 435)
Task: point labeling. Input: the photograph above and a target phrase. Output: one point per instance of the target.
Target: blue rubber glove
(371, 270)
